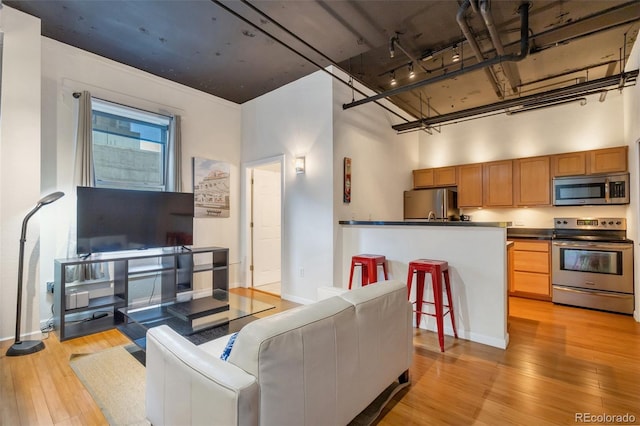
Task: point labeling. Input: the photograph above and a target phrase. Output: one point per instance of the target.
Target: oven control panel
(603, 223)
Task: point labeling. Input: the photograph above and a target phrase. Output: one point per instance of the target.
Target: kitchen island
(477, 256)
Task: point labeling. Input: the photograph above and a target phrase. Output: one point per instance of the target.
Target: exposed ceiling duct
(509, 68)
(523, 10)
(239, 50)
(471, 39)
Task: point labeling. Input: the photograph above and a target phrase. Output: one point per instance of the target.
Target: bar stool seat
(369, 268)
(437, 269)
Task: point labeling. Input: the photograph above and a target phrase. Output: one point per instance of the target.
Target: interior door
(266, 225)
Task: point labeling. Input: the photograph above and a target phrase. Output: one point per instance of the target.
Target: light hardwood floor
(560, 361)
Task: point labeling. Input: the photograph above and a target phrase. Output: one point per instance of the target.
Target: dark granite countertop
(425, 223)
(530, 233)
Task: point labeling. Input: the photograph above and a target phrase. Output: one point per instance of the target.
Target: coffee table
(226, 313)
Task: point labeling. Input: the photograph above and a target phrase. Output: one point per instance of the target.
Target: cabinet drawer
(531, 261)
(528, 282)
(542, 246)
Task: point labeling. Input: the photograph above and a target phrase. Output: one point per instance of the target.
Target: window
(130, 147)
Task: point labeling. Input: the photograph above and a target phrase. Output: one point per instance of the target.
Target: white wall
(19, 167)
(632, 136)
(381, 164)
(297, 120)
(210, 129)
(548, 131)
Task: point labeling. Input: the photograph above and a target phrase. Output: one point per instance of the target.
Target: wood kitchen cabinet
(611, 160)
(532, 181)
(470, 185)
(569, 164)
(531, 269)
(608, 160)
(497, 183)
(438, 177)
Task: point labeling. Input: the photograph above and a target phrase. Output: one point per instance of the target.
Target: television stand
(93, 302)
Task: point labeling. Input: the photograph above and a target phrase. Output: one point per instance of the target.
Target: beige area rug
(116, 381)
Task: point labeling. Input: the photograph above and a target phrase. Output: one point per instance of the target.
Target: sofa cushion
(294, 356)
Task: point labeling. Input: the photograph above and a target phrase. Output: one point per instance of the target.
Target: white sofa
(318, 364)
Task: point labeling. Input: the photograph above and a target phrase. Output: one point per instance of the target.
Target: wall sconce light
(299, 165)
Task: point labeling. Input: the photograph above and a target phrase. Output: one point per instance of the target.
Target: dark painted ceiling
(239, 50)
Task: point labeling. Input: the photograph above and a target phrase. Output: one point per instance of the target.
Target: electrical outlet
(50, 286)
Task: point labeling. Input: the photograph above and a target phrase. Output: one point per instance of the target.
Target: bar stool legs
(369, 268)
(437, 269)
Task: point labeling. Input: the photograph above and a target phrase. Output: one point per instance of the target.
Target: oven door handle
(603, 246)
(590, 291)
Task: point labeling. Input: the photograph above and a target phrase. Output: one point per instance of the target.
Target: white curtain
(83, 175)
(173, 172)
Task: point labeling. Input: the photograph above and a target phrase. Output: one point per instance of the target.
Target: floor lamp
(25, 347)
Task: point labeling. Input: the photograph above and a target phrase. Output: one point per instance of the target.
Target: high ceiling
(239, 50)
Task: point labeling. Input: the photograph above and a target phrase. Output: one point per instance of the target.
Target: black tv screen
(120, 219)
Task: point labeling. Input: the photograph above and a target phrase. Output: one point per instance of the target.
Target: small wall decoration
(211, 187)
(347, 180)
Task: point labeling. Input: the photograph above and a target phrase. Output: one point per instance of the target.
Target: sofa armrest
(186, 385)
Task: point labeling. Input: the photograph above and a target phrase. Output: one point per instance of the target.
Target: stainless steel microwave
(591, 190)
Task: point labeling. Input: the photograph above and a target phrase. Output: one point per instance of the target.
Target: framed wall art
(347, 180)
(211, 187)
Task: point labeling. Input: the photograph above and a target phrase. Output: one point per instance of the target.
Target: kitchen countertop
(530, 233)
(425, 223)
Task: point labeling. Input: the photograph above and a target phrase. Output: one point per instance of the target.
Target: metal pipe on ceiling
(287, 31)
(524, 51)
(466, 31)
(578, 90)
(395, 42)
(509, 68)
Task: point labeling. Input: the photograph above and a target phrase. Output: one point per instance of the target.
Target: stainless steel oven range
(592, 264)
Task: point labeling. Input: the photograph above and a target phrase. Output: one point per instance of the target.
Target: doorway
(265, 227)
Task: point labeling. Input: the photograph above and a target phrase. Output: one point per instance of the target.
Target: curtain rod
(78, 94)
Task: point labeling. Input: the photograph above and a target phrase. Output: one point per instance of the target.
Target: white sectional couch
(318, 364)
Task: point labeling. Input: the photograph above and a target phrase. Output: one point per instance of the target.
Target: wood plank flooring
(560, 361)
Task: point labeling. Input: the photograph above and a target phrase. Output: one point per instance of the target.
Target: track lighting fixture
(412, 73)
(392, 47)
(456, 54)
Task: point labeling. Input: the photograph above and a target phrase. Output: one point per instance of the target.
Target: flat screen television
(120, 219)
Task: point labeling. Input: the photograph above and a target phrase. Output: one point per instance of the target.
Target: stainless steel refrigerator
(439, 204)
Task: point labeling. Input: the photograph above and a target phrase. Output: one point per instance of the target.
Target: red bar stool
(369, 264)
(437, 268)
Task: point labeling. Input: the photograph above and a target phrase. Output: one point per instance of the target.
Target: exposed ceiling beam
(548, 97)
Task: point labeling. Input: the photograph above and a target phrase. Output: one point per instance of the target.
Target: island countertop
(476, 253)
(425, 223)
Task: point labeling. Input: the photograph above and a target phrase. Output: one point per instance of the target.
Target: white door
(266, 225)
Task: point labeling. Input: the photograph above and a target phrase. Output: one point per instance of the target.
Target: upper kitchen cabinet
(609, 160)
(570, 164)
(532, 181)
(438, 177)
(498, 183)
(470, 185)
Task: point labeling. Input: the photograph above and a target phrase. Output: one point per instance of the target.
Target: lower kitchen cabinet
(531, 269)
